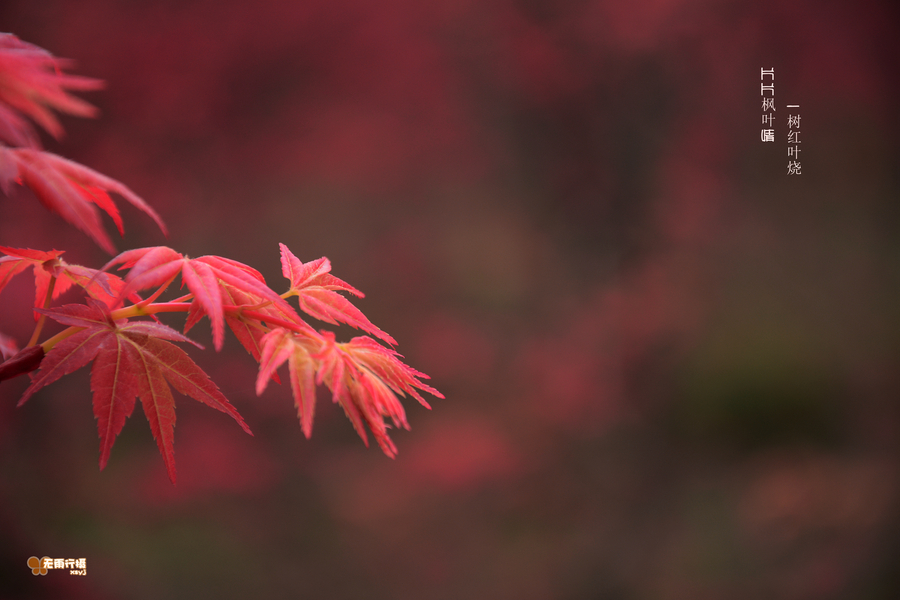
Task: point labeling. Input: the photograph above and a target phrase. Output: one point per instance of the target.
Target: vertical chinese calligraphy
(767, 134)
(793, 122)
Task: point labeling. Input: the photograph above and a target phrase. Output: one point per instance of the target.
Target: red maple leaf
(208, 278)
(15, 130)
(102, 286)
(130, 359)
(247, 329)
(364, 378)
(315, 288)
(280, 345)
(71, 190)
(32, 83)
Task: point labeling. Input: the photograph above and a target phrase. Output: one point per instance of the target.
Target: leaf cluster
(117, 331)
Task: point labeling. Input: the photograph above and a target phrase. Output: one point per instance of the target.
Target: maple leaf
(243, 329)
(130, 359)
(278, 346)
(15, 130)
(364, 378)
(208, 278)
(101, 286)
(71, 190)
(32, 82)
(315, 288)
(384, 363)
(248, 330)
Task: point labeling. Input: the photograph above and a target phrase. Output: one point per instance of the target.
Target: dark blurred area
(671, 369)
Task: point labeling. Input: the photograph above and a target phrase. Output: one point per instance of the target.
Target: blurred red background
(671, 369)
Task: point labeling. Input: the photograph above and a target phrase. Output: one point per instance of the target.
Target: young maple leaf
(279, 345)
(32, 83)
(206, 277)
(245, 328)
(384, 363)
(71, 190)
(314, 287)
(130, 359)
(364, 378)
(249, 336)
(101, 286)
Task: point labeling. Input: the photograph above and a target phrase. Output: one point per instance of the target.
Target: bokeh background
(671, 370)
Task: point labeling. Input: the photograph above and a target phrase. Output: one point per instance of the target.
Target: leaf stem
(135, 310)
(269, 319)
(256, 306)
(142, 310)
(158, 292)
(50, 342)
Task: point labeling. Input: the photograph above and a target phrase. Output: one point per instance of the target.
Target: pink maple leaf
(208, 278)
(32, 83)
(364, 378)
